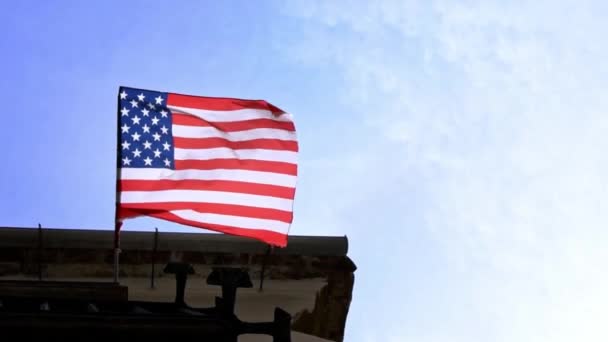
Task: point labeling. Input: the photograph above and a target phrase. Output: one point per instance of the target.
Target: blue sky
(460, 146)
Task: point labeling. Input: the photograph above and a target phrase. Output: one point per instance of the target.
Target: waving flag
(223, 164)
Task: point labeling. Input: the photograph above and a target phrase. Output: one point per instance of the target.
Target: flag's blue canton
(144, 129)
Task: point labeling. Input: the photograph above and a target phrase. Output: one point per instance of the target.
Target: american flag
(223, 164)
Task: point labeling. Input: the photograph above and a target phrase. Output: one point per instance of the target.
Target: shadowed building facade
(311, 280)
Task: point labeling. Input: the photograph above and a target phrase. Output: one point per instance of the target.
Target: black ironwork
(181, 271)
(101, 310)
(279, 329)
(230, 279)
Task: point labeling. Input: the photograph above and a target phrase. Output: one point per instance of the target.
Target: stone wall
(328, 317)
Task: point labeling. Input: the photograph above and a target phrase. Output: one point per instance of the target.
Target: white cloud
(504, 105)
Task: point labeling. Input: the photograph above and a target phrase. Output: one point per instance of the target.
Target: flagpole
(117, 223)
(116, 254)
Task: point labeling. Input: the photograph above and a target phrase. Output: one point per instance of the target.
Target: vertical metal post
(116, 253)
(264, 268)
(117, 222)
(153, 274)
(39, 252)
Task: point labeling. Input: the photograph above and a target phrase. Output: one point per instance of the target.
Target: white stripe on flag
(202, 196)
(228, 153)
(230, 115)
(251, 134)
(233, 221)
(219, 174)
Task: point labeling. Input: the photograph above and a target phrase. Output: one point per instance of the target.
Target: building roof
(311, 279)
(173, 241)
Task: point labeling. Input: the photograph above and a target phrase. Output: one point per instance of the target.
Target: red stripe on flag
(238, 164)
(234, 126)
(219, 103)
(213, 185)
(266, 144)
(125, 213)
(266, 236)
(213, 208)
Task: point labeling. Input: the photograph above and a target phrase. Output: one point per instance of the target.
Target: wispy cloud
(498, 111)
